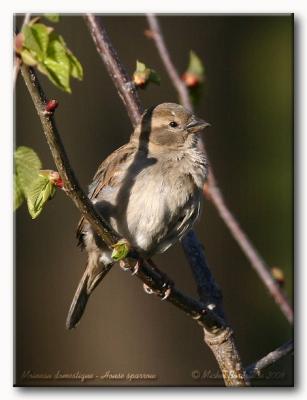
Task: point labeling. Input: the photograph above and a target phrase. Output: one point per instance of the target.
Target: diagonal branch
(17, 60)
(218, 335)
(255, 370)
(125, 87)
(130, 98)
(220, 340)
(213, 192)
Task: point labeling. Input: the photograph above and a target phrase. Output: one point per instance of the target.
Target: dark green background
(248, 99)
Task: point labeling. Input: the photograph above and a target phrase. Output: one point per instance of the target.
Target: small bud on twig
(143, 75)
(278, 275)
(53, 176)
(19, 42)
(51, 106)
(149, 33)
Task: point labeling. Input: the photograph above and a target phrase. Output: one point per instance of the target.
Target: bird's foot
(123, 265)
(166, 290)
(137, 266)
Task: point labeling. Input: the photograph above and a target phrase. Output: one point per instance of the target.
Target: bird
(149, 191)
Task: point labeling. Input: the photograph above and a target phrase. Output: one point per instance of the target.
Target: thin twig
(219, 337)
(125, 87)
(184, 97)
(212, 190)
(220, 340)
(255, 370)
(17, 60)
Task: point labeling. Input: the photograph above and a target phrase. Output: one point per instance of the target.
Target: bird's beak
(196, 125)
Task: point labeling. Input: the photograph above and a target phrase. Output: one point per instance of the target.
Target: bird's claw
(122, 265)
(136, 267)
(199, 315)
(147, 289)
(166, 290)
(166, 294)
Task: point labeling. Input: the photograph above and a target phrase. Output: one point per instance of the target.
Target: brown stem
(153, 278)
(255, 370)
(184, 97)
(218, 337)
(17, 60)
(125, 87)
(212, 190)
(249, 250)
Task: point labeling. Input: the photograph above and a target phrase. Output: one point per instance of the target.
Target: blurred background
(248, 99)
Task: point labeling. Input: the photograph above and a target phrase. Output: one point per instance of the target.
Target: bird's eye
(173, 124)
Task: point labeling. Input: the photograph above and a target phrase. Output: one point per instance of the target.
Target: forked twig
(220, 341)
(212, 190)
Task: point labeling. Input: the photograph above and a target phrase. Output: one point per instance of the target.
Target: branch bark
(255, 369)
(212, 190)
(17, 60)
(219, 339)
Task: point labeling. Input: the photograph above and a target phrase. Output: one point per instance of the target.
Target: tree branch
(255, 369)
(211, 189)
(219, 339)
(125, 87)
(17, 60)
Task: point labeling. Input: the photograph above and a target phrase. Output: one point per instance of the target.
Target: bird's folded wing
(106, 176)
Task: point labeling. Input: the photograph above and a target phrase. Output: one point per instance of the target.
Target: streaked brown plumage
(149, 190)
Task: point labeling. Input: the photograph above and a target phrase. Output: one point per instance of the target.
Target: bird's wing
(106, 176)
(180, 226)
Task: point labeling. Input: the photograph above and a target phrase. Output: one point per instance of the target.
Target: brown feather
(104, 176)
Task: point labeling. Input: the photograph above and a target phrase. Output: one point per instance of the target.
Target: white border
(7, 8)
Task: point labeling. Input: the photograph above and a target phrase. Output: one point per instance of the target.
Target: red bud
(191, 80)
(51, 106)
(59, 183)
(19, 41)
(278, 275)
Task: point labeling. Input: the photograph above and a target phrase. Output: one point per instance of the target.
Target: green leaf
(52, 17)
(154, 77)
(28, 58)
(27, 165)
(140, 67)
(43, 48)
(120, 250)
(196, 66)
(57, 63)
(36, 39)
(76, 70)
(18, 193)
(143, 75)
(39, 193)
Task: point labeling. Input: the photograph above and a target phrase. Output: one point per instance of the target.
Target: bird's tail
(87, 284)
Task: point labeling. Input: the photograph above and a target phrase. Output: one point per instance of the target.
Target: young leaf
(27, 165)
(195, 65)
(28, 58)
(57, 63)
(18, 193)
(43, 48)
(76, 70)
(36, 38)
(52, 17)
(39, 193)
(120, 250)
(143, 75)
(194, 77)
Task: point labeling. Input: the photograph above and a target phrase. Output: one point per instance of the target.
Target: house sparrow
(148, 190)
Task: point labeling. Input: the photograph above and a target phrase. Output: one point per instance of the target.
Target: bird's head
(169, 125)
